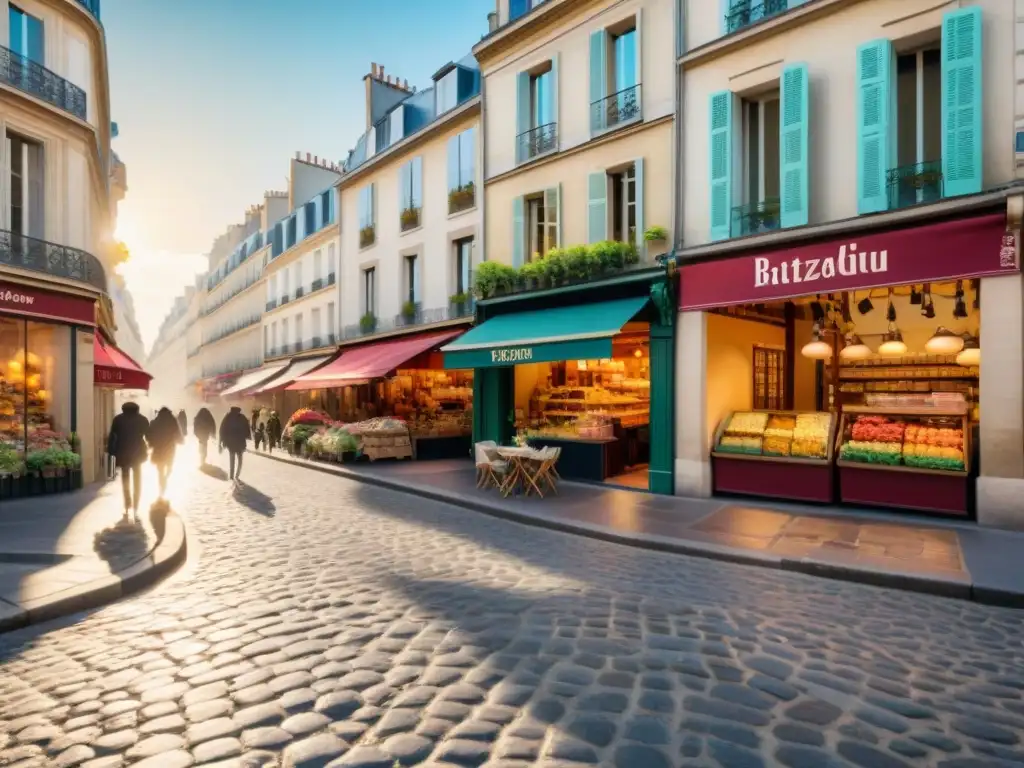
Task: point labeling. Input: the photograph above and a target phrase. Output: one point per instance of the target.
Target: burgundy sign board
(49, 305)
(953, 250)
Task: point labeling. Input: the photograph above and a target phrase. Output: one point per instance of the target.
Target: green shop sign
(491, 357)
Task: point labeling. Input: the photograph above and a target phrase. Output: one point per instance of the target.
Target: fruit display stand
(914, 457)
(775, 454)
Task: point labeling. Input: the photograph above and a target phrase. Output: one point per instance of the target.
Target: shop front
(113, 371)
(45, 389)
(241, 392)
(584, 368)
(403, 380)
(845, 371)
(273, 394)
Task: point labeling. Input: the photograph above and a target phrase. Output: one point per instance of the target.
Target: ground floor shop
(850, 372)
(583, 368)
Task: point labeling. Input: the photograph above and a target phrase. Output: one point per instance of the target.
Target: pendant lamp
(971, 353)
(855, 349)
(817, 348)
(944, 342)
(892, 344)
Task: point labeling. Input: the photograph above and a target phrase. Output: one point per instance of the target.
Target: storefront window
(12, 391)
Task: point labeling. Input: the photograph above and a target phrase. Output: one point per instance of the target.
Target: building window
(370, 291)
(769, 378)
(410, 192)
(463, 265)
(330, 261)
(26, 35)
(298, 332)
(917, 177)
(284, 285)
(367, 220)
(285, 340)
(318, 265)
(542, 220)
(623, 204)
(447, 91)
(298, 278)
(315, 314)
(462, 171)
(277, 246)
(266, 340)
(760, 165)
(26, 214)
(292, 232)
(326, 208)
(330, 321)
(542, 85)
(412, 287)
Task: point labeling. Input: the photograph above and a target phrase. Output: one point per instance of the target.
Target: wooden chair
(490, 468)
(542, 472)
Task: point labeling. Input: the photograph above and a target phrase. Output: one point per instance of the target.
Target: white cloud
(155, 280)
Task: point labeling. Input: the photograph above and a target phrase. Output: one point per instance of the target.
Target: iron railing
(462, 198)
(536, 141)
(913, 184)
(756, 217)
(409, 219)
(619, 108)
(235, 327)
(228, 297)
(299, 293)
(285, 299)
(271, 305)
(317, 285)
(316, 342)
(17, 250)
(331, 279)
(422, 317)
(32, 77)
(743, 13)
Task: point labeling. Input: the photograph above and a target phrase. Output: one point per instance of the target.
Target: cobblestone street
(321, 621)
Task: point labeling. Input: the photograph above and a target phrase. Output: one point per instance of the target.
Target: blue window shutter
(961, 102)
(522, 111)
(794, 152)
(517, 8)
(597, 207)
(721, 164)
(638, 171)
(518, 231)
(598, 78)
(874, 106)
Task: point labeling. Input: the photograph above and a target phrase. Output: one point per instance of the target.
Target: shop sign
(948, 251)
(108, 375)
(35, 302)
(512, 355)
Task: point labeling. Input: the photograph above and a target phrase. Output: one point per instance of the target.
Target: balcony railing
(285, 299)
(92, 6)
(421, 317)
(410, 219)
(756, 217)
(235, 327)
(316, 342)
(209, 310)
(536, 141)
(317, 285)
(271, 305)
(743, 13)
(31, 77)
(913, 184)
(23, 252)
(299, 293)
(619, 108)
(331, 279)
(462, 198)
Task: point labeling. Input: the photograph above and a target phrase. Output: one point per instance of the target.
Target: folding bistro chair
(494, 468)
(546, 473)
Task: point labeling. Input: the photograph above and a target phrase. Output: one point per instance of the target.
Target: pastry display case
(911, 453)
(781, 454)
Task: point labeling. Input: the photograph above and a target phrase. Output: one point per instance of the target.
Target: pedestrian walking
(259, 437)
(254, 419)
(234, 433)
(127, 444)
(164, 438)
(183, 423)
(273, 431)
(204, 428)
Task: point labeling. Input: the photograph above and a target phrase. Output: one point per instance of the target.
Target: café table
(521, 465)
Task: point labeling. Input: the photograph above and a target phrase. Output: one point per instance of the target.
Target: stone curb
(165, 557)
(962, 589)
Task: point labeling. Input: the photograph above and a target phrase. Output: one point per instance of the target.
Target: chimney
(307, 157)
(380, 72)
(298, 155)
(373, 69)
(316, 160)
(492, 21)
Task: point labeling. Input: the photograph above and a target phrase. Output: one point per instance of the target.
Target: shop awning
(254, 379)
(373, 361)
(296, 368)
(114, 369)
(582, 332)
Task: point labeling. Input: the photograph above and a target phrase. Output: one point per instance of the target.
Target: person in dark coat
(164, 438)
(273, 431)
(234, 433)
(254, 420)
(183, 423)
(204, 428)
(126, 442)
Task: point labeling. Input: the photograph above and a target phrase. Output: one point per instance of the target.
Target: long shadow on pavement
(253, 498)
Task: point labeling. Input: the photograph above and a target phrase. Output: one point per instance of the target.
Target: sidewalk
(954, 559)
(69, 552)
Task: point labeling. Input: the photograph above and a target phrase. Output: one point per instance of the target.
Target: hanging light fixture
(817, 348)
(960, 308)
(944, 342)
(855, 349)
(892, 343)
(971, 353)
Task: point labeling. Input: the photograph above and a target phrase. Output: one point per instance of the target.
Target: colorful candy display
(811, 434)
(804, 435)
(928, 444)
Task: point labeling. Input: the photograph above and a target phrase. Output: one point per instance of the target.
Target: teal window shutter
(961, 102)
(597, 207)
(874, 104)
(793, 153)
(598, 78)
(518, 232)
(721, 164)
(522, 111)
(638, 171)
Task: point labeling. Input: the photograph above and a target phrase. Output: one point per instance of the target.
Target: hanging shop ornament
(890, 310)
(960, 308)
(817, 348)
(927, 304)
(916, 298)
(944, 342)
(817, 310)
(970, 355)
(855, 349)
(892, 343)
(864, 305)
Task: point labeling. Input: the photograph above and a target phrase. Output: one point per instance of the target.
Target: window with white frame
(315, 322)
(330, 262)
(330, 319)
(410, 194)
(298, 331)
(273, 336)
(266, 340)
(446, 91)
(273, 289)
(367, 217)
(25, 184)
(284, 286)
(318, 265)
(542, 225)
(463, 265)
(370, 291)
(917, 177)
(297, 268)
(412, 288)
(760, 163)
(285, 338)
(462, 171)
(622, 201)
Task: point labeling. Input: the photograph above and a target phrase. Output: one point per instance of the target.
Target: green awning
(582, 332)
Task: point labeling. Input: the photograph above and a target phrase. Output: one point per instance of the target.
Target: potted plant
(462, 198)
(655, 234)
(460, 301)
(486, 278)
(507, 279)
(35, 461)
(409, 311)
(410, 218)
(11, 468)
(555, 267)
(366, 236)
(368, 323)
(577, 264)
(531, 274)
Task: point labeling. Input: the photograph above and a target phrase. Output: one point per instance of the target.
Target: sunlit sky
(212, 98)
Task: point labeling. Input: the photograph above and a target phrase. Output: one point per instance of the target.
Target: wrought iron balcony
(619, 108)
(913, 184)
(317, 285)
(410, 219)
(31, 77)
(299, 293)
(536, 141)
(743, 13)
(462, 198)
(285, 299)
(756, 217)
(331, 279)
(23, 252)
(316, 342)
(272, 304)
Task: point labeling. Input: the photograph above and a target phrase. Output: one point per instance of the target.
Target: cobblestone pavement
(328, 622)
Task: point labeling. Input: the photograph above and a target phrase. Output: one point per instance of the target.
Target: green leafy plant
(492, 278)
(461, 198)
(367, 235)
(578, 265)
(368, 322)
(10, 460)
(556, 267)
(410, 218)
(459, 299)
(409, 310)
(655, 234)
(532, 274)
